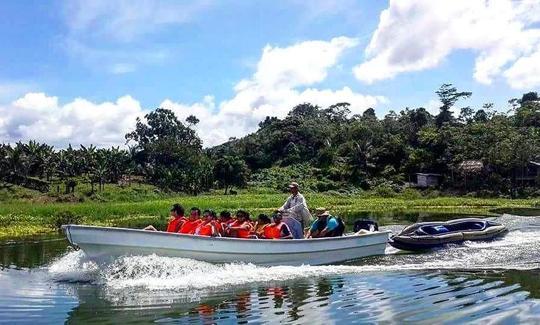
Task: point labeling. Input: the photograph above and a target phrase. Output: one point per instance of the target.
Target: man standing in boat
(296, 207)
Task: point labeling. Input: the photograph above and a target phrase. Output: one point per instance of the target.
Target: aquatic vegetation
(25, 218)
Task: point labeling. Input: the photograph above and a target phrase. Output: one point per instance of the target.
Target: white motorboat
(104, 244)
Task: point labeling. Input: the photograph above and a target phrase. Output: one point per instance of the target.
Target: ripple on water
(474, 282)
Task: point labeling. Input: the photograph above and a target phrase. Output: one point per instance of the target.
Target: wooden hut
(528, 175)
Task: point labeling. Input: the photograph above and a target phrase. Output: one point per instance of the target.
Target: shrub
(384, 190)
(64, 218)
(411, 194)
(432, 194)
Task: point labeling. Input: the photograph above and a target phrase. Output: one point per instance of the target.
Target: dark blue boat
(428, 235)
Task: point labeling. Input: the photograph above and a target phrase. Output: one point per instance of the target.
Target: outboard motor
(366, 224)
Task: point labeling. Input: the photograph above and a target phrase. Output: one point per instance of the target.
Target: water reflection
(455, 285)
(31, 253)
(395, 297)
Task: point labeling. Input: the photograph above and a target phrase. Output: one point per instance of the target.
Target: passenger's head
(177, 210)
(277, 217)
(242, 215)
(224, 215)
(209, 215)
(293, 188)
(195, 213)
(263, 219)
(322, 213)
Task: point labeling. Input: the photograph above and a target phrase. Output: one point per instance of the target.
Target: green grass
(26, 218)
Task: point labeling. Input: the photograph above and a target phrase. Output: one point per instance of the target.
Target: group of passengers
(291, 221)
(225, 225)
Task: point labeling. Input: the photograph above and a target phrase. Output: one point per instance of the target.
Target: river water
(45, 281)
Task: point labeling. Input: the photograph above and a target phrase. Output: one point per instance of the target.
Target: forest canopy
(326, 148)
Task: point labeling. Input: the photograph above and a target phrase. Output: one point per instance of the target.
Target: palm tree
(88, 155)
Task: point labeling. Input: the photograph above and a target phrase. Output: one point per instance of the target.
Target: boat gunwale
(67, 228)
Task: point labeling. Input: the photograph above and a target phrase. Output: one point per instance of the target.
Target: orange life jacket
(243, 233)
(259, 229)
(175, 224)
(234, 223)
(189, 227)
(273, 231)
(205, 229)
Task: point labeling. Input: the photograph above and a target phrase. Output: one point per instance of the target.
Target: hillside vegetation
(481, 152)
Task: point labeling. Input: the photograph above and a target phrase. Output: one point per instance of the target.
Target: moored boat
(104, 244)
(428, 235)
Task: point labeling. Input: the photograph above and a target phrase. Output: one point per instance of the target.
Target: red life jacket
(189, 227)
(205, 229)
(175, 224)
(234, 223)
(273, 231)
(243, 233)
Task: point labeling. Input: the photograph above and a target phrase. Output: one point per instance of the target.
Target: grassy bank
(25, 218)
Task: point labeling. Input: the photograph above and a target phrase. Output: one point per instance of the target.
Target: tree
(466, 115)
(529, 97)
(528, 114)
(304, 110)
(269, 120)
(369, 114)
(192, 120)
(231, 171)
(338, 112)
(448, 95)
(169, 151)
(480, 116)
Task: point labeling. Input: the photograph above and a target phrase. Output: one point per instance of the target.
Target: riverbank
(22, 218)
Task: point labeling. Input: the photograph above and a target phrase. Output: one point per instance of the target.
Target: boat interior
(462, 226)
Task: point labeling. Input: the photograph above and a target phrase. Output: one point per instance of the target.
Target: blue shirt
(331, 224)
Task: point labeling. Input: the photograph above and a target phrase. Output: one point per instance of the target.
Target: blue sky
(68, 66)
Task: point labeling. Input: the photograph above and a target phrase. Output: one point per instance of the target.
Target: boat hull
(104, 244)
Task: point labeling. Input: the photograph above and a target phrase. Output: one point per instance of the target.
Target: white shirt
(297, 208)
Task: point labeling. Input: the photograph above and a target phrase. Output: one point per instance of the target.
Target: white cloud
(112, 36)
(415, 35)
(127, 20)
(304, 63)
(40, 117)
(525, 72)
(122, 68)
(275, 88)
(285, 77)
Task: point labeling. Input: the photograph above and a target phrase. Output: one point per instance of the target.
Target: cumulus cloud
(414, 35)
(284, 78)
(41, 117)
(276, 87)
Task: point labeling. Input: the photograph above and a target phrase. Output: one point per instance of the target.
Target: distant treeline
(485, 150)
(488, 150)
